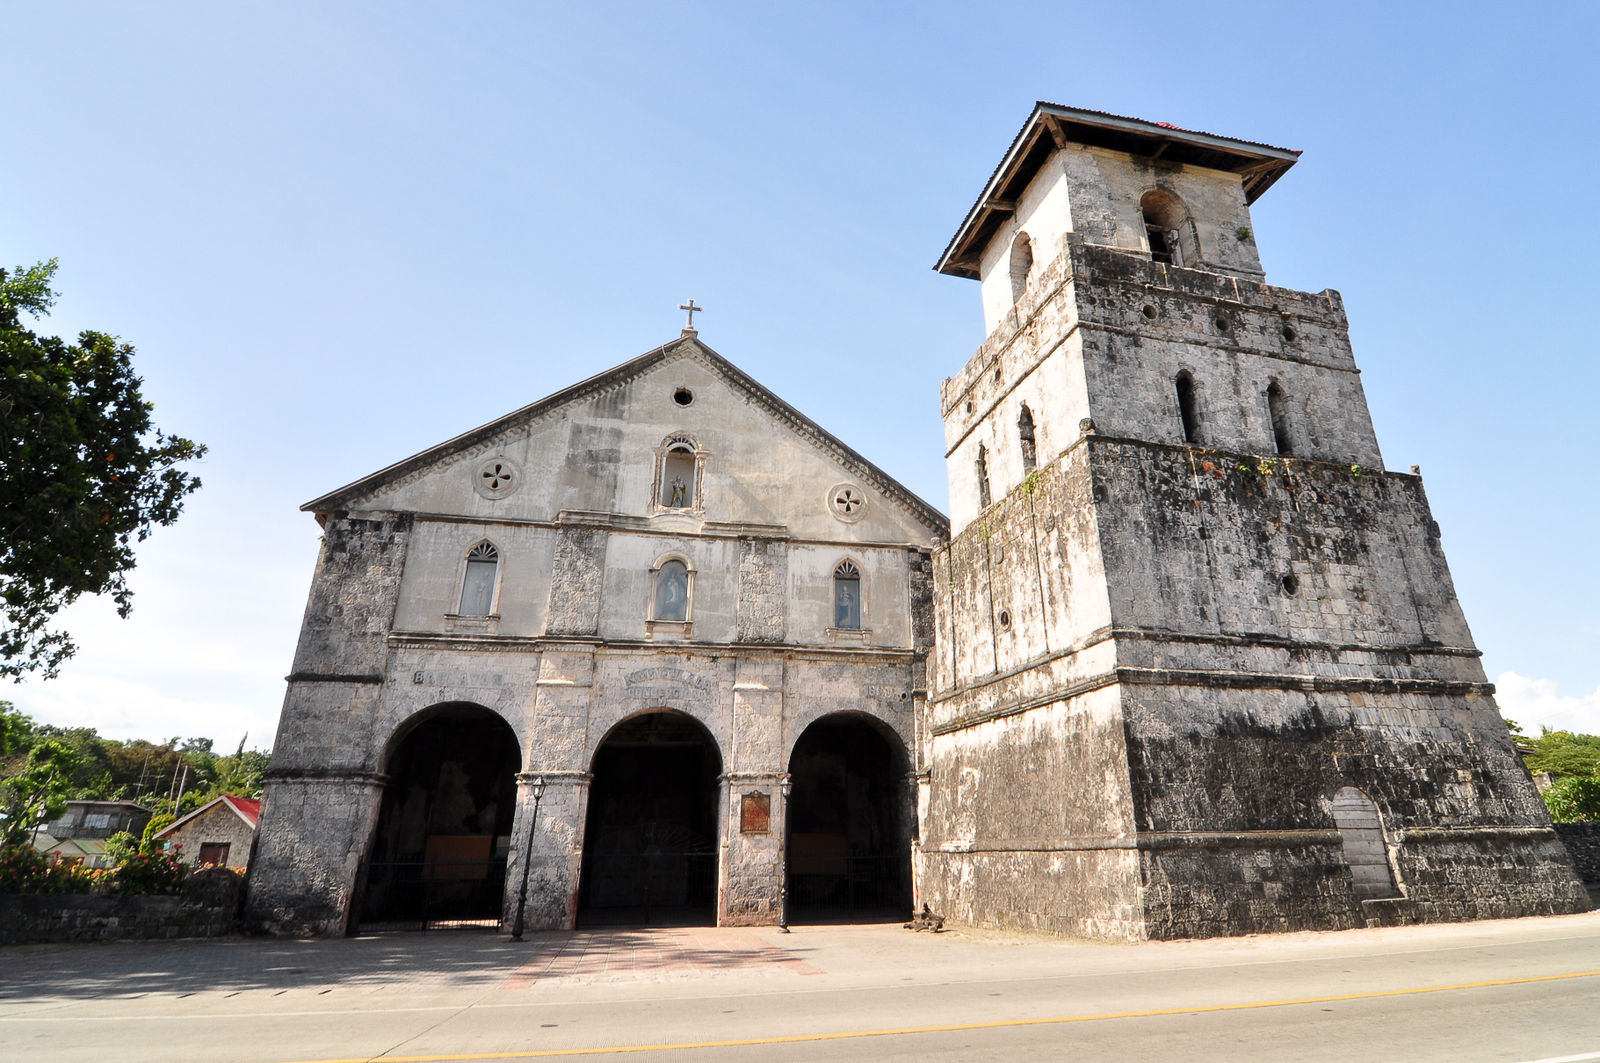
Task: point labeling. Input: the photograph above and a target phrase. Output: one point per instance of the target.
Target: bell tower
(1200, 666)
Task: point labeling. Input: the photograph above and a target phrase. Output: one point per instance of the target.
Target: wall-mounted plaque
(755, 813)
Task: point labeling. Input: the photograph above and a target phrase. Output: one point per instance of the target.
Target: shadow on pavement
(463, 959)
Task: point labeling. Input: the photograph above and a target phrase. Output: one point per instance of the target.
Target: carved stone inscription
(667, 686)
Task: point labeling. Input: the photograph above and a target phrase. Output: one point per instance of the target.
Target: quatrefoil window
(848, 502)
(497, 478)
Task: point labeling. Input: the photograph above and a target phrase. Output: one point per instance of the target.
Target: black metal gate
(431, 895)
(848, 889)
(650, 889)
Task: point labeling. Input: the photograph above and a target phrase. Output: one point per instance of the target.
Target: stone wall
(207, 907)
(1583, 845)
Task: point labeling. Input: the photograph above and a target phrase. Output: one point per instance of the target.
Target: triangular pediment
(593, 447)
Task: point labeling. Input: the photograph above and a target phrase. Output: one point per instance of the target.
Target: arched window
(477, 584)
(1188, 408)
(1021, 264)
(1025, 436)
(1166, 226)
(981, 467)
(672, 592)
(1278, 408)
(1361, 837)
(847, 596)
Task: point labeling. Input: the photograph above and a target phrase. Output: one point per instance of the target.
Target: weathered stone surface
(573, 648)
(1164, 648)
(1582, 842)
(763, 587)
(207, 907)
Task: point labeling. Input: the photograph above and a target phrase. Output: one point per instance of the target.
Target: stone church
(1184, 661)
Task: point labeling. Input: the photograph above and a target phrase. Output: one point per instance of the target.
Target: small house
(216, 834)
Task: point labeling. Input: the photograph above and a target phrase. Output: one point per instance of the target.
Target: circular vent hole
(1005, 620)
(1223, 324)
(1150, 312)
(1291, 585)
(1288, 334)
(683, 396)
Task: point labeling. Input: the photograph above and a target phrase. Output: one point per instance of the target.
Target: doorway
(849, 823)
(650, 840)
(438, 856)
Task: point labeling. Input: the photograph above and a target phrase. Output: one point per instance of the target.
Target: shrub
(24, 870)
(152, 872)
(1575, 799)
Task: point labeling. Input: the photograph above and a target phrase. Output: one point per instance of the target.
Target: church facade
(1186, 660)
(662, 608)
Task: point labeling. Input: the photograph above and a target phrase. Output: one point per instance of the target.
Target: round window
(496, 478)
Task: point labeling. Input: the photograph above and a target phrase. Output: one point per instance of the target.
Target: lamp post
(783, 859)
(537, 786)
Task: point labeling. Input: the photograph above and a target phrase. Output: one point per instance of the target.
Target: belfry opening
(650, 840)
(438, 855)
(850, 817)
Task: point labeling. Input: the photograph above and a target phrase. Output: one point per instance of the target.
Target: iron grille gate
(856, 887)
(432, 895)
(649, 888)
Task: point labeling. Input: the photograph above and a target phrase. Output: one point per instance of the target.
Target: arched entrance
(438, 855)
(650, 841)
(849, 823)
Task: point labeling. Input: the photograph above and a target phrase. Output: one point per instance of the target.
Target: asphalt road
(1506, 992)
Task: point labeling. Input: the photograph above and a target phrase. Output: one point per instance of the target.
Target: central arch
(438, 852)
(650, 839)
(849, 823)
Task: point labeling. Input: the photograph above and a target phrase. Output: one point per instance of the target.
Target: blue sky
(340, 233)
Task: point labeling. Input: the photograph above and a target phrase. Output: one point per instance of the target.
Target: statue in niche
(672, 592)
(847, 605)
(679, 498)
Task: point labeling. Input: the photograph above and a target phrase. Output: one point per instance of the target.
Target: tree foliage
(1574, 800)
(34, 789)
(1563, 753)
(172, 778)
(83, 474)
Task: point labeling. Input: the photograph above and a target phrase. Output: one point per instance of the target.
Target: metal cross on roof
(689, 306)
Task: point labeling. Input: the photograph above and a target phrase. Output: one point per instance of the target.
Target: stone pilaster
(556, 819)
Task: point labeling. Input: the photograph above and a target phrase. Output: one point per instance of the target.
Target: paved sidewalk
(444, 960)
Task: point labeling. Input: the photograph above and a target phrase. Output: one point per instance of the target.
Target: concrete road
(1505, 992)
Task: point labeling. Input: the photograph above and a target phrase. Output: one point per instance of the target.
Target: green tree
(1562, 753)
(35, 789)
(83, 474)
(1574, 800)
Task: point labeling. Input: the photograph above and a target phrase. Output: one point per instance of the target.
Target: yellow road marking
(684, 1046)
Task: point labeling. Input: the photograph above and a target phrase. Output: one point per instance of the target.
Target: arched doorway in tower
(650, 840)
(438, 855)
(849, 823)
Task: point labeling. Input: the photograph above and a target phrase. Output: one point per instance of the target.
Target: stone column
(554, 748)
(557, 849)
(322, 792)
(312, 838)
(750, 872)
(754, 811)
